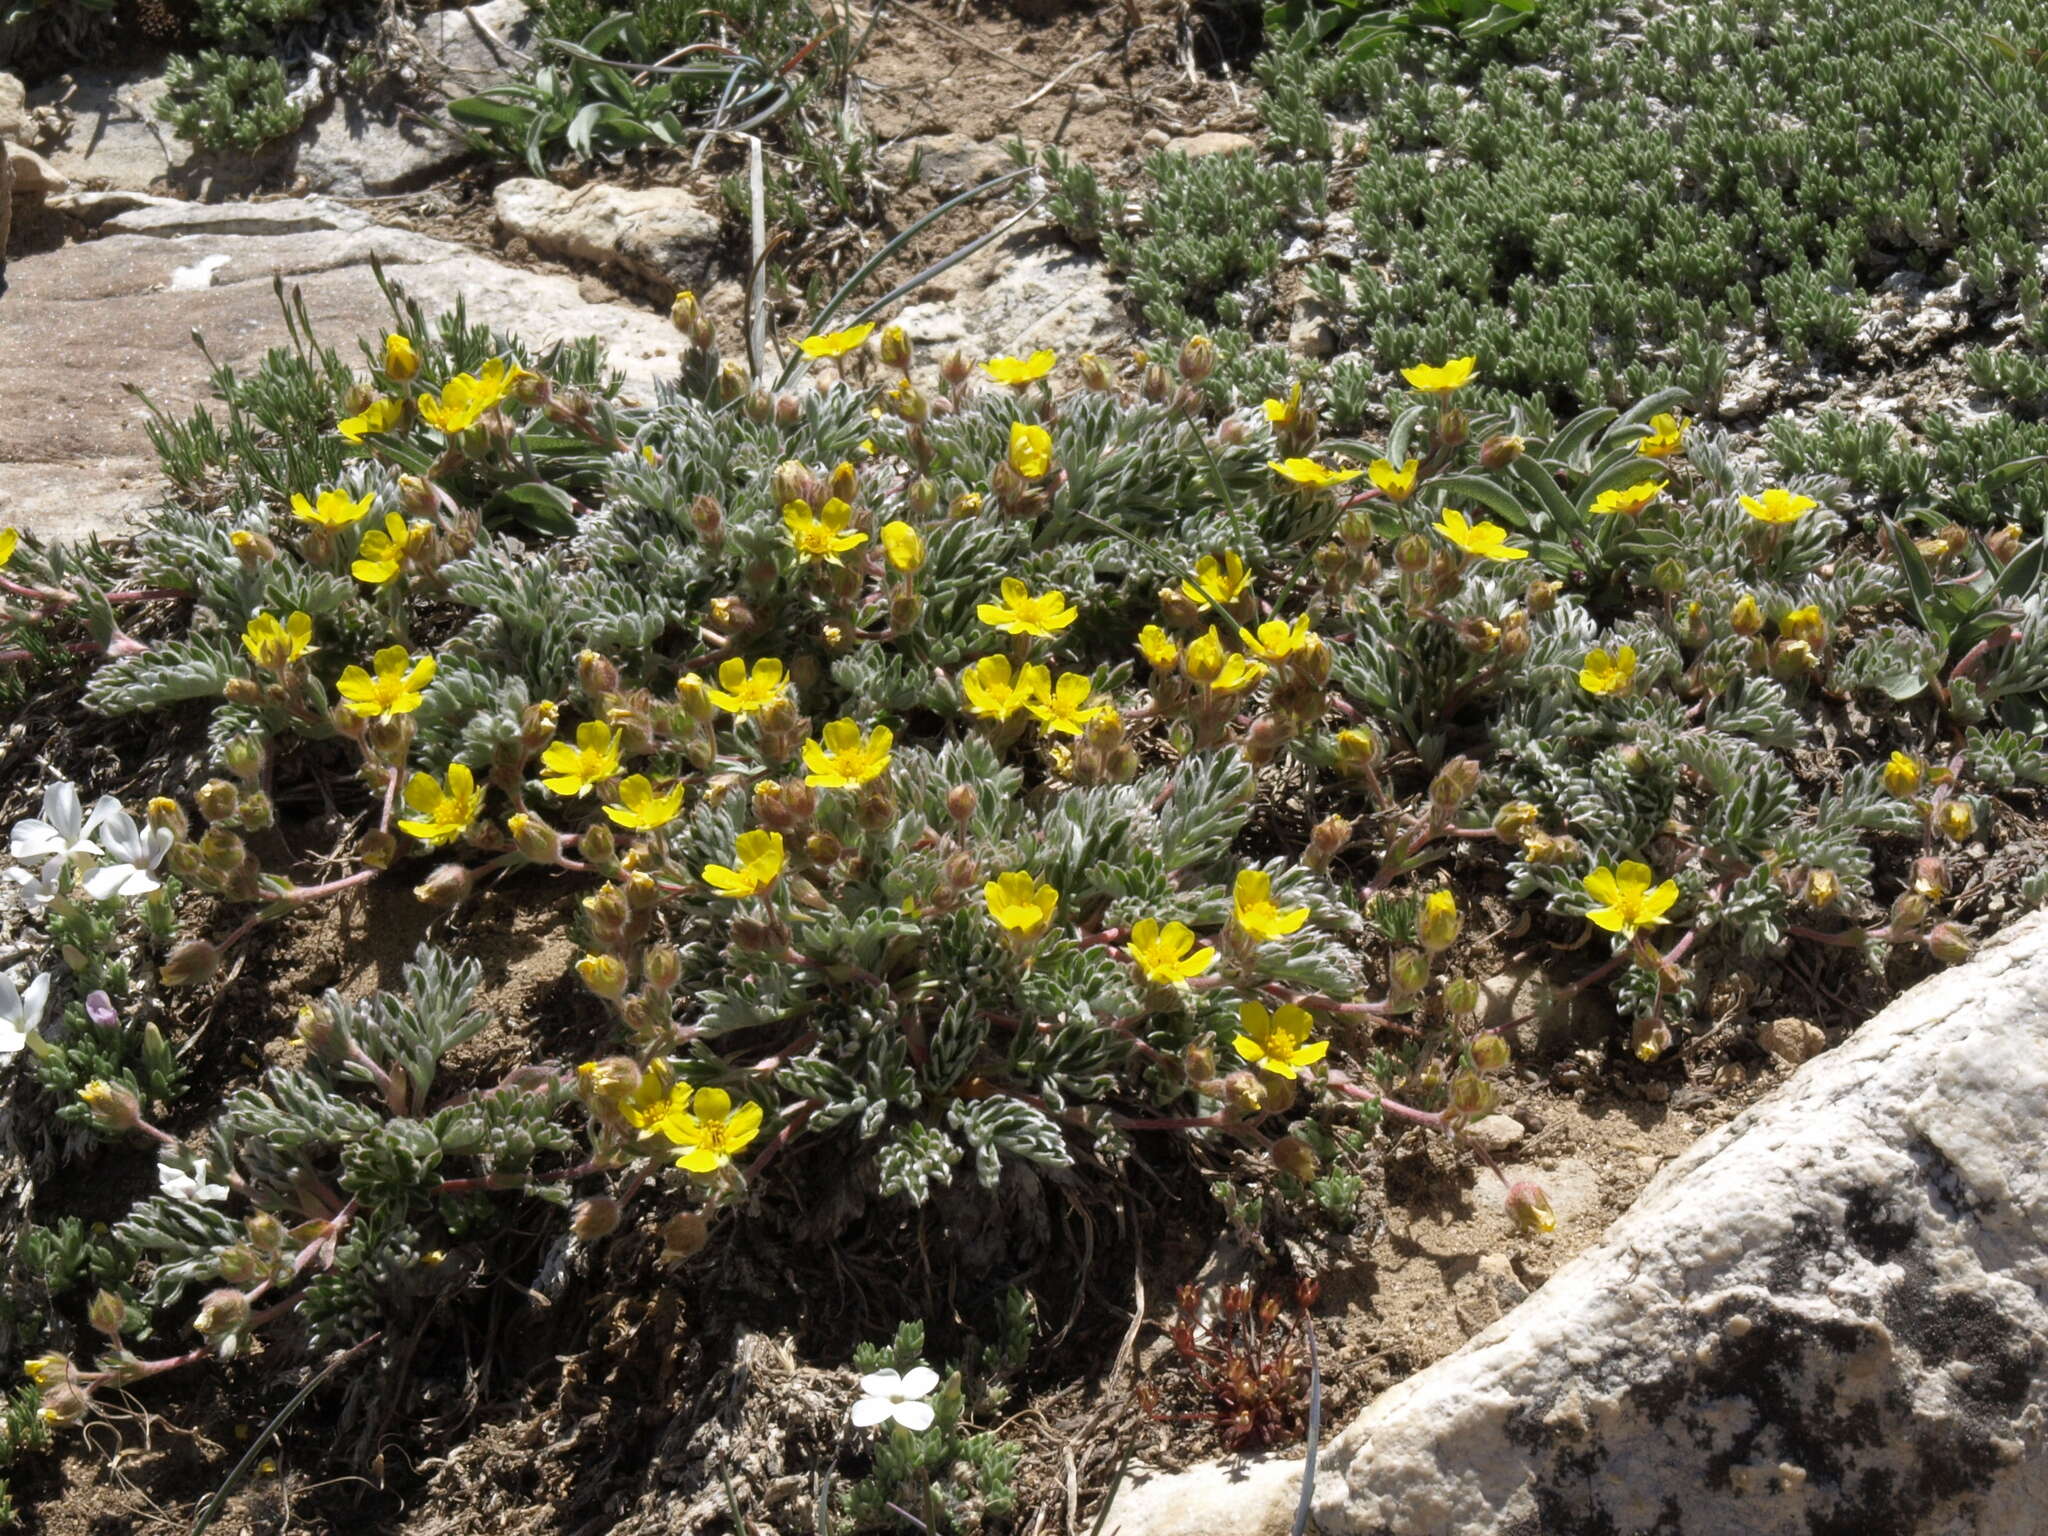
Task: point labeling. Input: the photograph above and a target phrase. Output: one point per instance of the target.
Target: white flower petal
(104, 810)
(34, 839)
(60, 808)
(11, 1040)
(881, 1384)
(34, 1000)
(919, 1381)
(916, 1416)
(870, 1411)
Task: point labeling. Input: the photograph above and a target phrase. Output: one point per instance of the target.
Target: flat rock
(1024, 291)
(945, 162)
(1495, 1133)
(1829, 1315)
(662, 236)
(13, 110)
(33, 175)
(80, 321)
(112, 138)
(1196, 145)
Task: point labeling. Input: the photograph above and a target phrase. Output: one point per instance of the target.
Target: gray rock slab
(660, 236)
(80, 321)
(1829, 1315)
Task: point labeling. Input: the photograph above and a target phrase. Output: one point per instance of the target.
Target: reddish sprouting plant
(1247, 1359)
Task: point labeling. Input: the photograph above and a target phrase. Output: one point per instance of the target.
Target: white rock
(13, 110)
(1027, 290)
(1830, 1314)
(1243, 1496)
(661, 235)
(1496, 1133)
(33, 175)
(1196, 145)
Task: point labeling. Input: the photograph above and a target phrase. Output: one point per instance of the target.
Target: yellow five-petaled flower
(385, 550)
(1395, 481)
(1064, 707)
(576, 770)
(1019, 371)
(401, 362)
(1665, 437)
(709, 1131)
(1629, 902)
(1604, 673)
(1628, 500)
(845, 758)
(1157, 647)
(739, 693)
(380, 415)
(1482, 541)
(273, 644)
(1253, 910)
(442, 813)
(1021, 613)
(396, 689)
(1030, 450)
(1434, 379)
(1777, 505)
(1167, 956)
(1309, 473)
(836, 343)
(334, 509)
(642, 807)
(996, 691)
(821, 535)
(760, 856)
(464, 398)
(903, 546)
(1019, 903)
(1278, 1043)
(1223, 581)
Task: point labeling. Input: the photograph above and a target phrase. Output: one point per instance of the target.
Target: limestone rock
(1196, 145)
(1495, 1133)
(1828, 1315)
(660, 235)
(13, 110)
(79, 321)
(1244, 1496)
(1027, 290)
(111, 136)
(946, 162)
(33, 175)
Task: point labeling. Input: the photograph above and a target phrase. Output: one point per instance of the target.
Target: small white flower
(63, 829)
(180, 1185)
(20, 1012)
(885, 1395)
(36, 890)
(136, 850)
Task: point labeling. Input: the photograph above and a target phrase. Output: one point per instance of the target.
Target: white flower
(63, 829)
(33, 889)
(885, 1395)
(137, 850)
(180, 1185)
(20, 1012)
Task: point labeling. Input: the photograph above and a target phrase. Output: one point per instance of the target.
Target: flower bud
(1669, 575)
(1909, 913)
(605, 975)
(1241, 1094)
(1155, 385)
(1930, 877)
(1949, 944)
(221, 1312)
(252, 548)
(1197, 359)
(596, 675)
(1529, 1208)
(1328, 839)
(534, 838)
(1472, 1095)
(1478, 636)
(1410, 971)
(448, 886)
(1357, 751)
(1500, 451)
(2005, 543)
(1822, 889)
(1440, 922)
(218, 799)
(595, 1219)
(190, 962)
(1276, 1094)
(1411, 553)
(1956, 820)
(596, 845)
(245, 691)
(1490, 1052)
(662, 967)
(1454, 783)
(1295, 1158)
(895, 347)
(683, 1236)
(1746, 618)
(1542, 595)
(108, 1314)
(377, 849)
(1902, 775)
(1514, 819)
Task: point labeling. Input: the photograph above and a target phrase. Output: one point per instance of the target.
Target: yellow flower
(9, 538)
(1440, 921)
(576, 770)
(1628, 500)
(1603, 673)
(1167, 956)
(1396, 484)
(904, 546)
(385, 550)
(1019, 903)
(464, 398)
(1252, 908)
(377, 416)
(1207, 663)
(1030, 450)
(1223, 581)
(1665, 437)
(1155, 646)
(1482, 541)
(1065, 708)
(1902, 775)
(821, 535)
(334, 509)
(760, 856)
(1019, 613)
(739, 694)
(1284, 413)
(1628, 901)
(401, 362)
(1278, 1043)
(837, 343)
(1778, 506)
(845, 758)
(443, 814)
(395, 690)
(1019, 371)
(993, 693)
(272, 644)
(710, 1130)
(1455, 374)
(1309, 472)
(1276, 639)
(641, 808)
(1804, 624)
